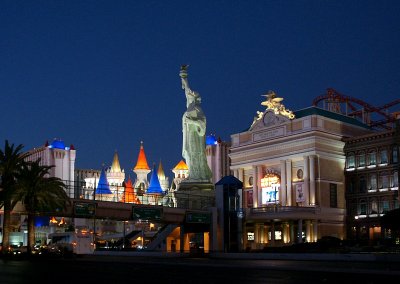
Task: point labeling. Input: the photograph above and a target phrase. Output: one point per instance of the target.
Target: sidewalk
(362, 257)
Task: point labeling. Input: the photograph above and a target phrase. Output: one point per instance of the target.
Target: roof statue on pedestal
(275, 112)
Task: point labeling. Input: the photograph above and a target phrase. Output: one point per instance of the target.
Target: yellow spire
(115, 167)
(142, 161)
(160, 172)
(181, 166)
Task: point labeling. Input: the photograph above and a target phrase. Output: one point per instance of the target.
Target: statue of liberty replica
(194, 129)
(199, 177)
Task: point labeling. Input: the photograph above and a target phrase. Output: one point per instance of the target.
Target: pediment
(268, 119)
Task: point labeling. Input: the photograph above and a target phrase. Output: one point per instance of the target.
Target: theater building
(291, 166)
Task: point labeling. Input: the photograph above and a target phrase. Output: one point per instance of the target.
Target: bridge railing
(116, 193)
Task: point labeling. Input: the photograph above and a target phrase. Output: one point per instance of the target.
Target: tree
(39, 193)
(11, 161)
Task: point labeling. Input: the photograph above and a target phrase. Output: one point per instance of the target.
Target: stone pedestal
(195, 195)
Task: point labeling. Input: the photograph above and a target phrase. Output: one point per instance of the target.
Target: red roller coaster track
(376, 117)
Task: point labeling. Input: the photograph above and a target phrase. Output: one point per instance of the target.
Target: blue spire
(102, 187)
(154, 187)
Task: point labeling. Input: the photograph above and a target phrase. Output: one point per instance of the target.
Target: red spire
(72, 147)
(129, 194)
(142, 161)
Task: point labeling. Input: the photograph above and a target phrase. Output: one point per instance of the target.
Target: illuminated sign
(270, 186)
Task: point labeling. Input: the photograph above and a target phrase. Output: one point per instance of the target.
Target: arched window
(395, 180)
(374, 206)
(361, 159)
(383, 156)
(372, 158)
(350, 161)
(372, 182)
(362, 210)
(395, 154)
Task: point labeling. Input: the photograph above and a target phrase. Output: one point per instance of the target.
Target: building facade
(291, 166)
(372, 184)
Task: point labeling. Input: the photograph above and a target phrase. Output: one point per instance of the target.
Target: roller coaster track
(364, 110)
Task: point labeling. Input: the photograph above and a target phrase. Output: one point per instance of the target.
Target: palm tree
(11, 160)
(40, 194)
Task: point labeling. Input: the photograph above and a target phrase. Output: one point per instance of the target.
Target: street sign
(147, 213)
(197, 217)
(83, 209)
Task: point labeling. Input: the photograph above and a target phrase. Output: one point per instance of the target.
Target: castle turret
(116, 177)
(164, 181)
(141, 170)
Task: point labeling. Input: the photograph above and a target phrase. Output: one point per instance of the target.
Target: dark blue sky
(104, 75)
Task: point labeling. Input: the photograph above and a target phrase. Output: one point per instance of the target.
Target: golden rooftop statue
(274, 103)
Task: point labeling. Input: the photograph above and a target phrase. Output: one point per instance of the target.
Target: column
(266, 230)
(255, 185)
(272, 233)
(289, 182)
(236, 173)
(285, 232)
(312, 180)
(299, 231)
(241, 175)
(308, 231)
(283, 194)
(291, 229)
(306, 183)
(315, 230)
(260, 176)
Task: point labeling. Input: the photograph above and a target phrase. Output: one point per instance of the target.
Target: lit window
(250, 236)
(395, 179)
(361, 160)
(350, 161)
(385, 206)
(374, 207)
(384, 158)
(395, 154)
(372, 158)
(384, 181)
(373, 184)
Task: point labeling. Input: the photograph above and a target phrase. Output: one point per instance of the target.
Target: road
(134, 269)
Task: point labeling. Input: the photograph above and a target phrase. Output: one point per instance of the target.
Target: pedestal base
(195, 195)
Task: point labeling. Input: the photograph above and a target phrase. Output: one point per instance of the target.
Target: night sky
(104, 75)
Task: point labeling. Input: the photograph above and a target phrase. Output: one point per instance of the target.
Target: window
(385, 206)
(374, 207)
(361, 160)
(384, 181)
(383, 156)
(363, 208)
(372, 182)
(350, 161)
(351, 185)
(333, 195)
(372, 158)
(395, 154)
(395, 179)
(363, 184)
